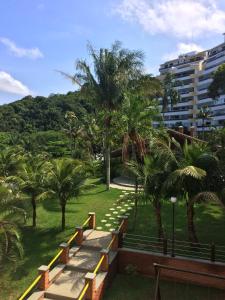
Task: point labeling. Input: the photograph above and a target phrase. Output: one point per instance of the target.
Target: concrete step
(68, 286)
(36, 295)
(85, 259)
(97, 239)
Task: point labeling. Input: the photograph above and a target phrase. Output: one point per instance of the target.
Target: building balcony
(178, 112)
(208, 80)
(215, 60)
(203, 91)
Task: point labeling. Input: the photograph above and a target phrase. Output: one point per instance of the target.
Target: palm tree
(64, 180)
(10, 159)
(139, 108)
(30, 179)
(152, 175)
(170, 95)
(217, 86)
(10, 242)
(74, 130)
(112, 70)
(190, 179)
(204, 114)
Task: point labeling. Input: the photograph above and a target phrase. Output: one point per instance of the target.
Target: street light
(173, 200)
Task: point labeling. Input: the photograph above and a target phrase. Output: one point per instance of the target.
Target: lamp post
(173, 201)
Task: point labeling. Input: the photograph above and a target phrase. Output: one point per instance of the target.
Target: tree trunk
(63, 216)
(107, 151)
(191, 226)
(203, 128)
(33, 202)
(107, 161)
(157, 207)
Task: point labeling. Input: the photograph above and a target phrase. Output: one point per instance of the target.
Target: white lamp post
(173, 201)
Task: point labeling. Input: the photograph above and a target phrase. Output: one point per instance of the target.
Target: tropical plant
(74, 130)
(10, 242)
(64, 179)
(113, 69)
(170, 95)
(138, 111)
(30, 179)
(10, 159)
(152, 175)
(204, 114)
(217, 86)
(190, 180)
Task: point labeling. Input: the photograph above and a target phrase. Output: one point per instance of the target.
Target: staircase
(67, 281)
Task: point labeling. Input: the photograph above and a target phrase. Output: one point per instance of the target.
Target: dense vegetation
(51, 146)
(40, 113)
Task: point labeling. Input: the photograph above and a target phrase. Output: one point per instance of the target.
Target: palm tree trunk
(33, 202)
(203, 128)
(107, 151)
(107, 162)
(63, 207)
(192, 236)
(157, 207)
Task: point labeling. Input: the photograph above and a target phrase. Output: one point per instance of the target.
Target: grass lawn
(135, 287)
(41, 244)
(209, 220)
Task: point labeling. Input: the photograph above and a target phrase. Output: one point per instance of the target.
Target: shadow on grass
(209, 221)
(38, 243)
(93, 193)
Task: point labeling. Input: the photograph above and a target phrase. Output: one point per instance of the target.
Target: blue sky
(38, 37)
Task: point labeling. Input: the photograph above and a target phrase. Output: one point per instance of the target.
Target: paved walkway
(68, 280)
(121, 187)
(123, 183)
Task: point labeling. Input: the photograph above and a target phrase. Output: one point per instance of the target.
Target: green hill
(40, 113)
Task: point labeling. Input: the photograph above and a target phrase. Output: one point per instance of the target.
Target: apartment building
(193, 74)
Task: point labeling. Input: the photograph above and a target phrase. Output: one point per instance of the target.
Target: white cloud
(33, 53)
(182, 48)
(12, 85)
(180, 18)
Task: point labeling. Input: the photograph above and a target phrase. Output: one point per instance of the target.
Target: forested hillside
(40, 113)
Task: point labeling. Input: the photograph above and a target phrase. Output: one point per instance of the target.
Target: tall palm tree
(10, 242)
(152, 175)
(190, 179)
(74, 130)
(30, 179)
(64, 179)
(10, 159)
(170, 95)
(112, 70)
(139, 109)
(204, 114)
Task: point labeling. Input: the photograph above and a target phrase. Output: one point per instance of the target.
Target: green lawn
(135, 287)
(41, 244)
(209, 220)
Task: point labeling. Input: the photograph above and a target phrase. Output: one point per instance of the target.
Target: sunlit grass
(41, 244)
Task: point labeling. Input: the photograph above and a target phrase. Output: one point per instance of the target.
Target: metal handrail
(55, 258)
(121, 225)
(111, 242)
(85, 223)
(188, 271)
(98, 265)
(72, 238)
(83, 292)
(30, 287)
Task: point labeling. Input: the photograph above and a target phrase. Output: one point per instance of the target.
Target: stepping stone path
(121, 207)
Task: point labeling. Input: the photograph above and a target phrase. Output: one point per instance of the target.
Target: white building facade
(193, 74)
